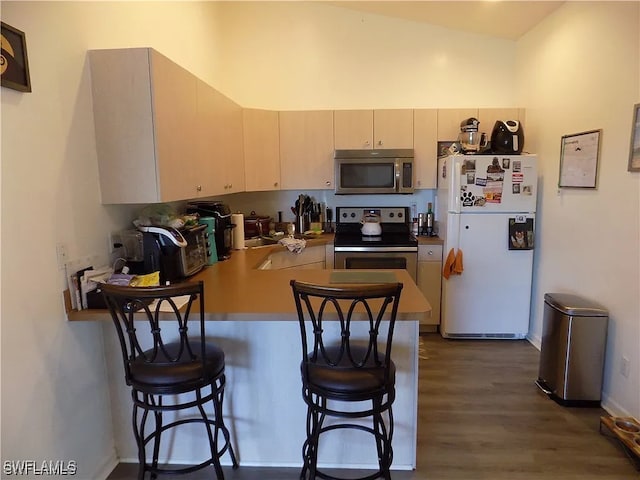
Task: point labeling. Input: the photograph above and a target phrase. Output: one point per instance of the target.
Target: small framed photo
(14, 64)
(634, 149)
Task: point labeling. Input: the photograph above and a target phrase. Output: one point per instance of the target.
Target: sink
(259, 242)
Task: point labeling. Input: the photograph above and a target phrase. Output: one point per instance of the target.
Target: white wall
(55, 400)
(577, 71)
(281, 56)
(311, 55)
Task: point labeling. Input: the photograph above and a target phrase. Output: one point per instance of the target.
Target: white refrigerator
(485, 209)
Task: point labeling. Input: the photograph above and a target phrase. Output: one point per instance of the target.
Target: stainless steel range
(394, 248)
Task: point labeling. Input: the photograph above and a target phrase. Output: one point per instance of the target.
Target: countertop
(235, 290)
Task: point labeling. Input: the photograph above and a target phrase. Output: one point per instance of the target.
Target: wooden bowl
(627, 426)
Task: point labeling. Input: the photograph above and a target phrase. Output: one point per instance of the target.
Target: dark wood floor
(481, 417)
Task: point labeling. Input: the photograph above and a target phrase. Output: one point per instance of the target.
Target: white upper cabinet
(425, 146)
(306, 150)
(261, 150)
(162, 134)
(229, 149)
(449, 122)
(365, 129)
(353, 129)
(393, 128)
(145, 111)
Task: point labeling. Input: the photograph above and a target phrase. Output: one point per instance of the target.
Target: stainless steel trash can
(574, 334)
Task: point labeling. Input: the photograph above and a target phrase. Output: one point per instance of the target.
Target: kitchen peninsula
(252, 317)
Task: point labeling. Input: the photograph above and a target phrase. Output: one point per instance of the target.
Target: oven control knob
(399, 214)
(344, 215)
(391, 214)
(353, 215)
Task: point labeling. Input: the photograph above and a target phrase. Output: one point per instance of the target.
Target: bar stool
(174, 372)
(347, 377)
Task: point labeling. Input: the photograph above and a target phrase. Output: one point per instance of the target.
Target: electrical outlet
(62, 255)
(625, 367)
(115, 242)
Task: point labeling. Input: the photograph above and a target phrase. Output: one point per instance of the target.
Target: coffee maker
(173, 253)
(222, 229)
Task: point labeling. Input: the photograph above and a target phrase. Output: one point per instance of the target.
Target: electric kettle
(371, 225)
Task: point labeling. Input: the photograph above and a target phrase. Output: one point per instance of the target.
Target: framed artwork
(634, 149)
(579, 160)
(450, 147)
(14, 65)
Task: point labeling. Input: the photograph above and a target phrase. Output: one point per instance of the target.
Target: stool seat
(166, 373)
(342, 381)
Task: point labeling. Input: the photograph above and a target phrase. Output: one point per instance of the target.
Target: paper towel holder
(237, 234)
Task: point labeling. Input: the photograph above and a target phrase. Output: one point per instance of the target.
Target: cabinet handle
(328, 183)
(199, 188)
(275, 184)
(380, 142)
(367, 143)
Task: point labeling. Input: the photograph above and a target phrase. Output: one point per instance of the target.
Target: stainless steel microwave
(373, 171)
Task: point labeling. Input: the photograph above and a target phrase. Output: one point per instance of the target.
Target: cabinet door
(393, 128)
(429, 279)
(449, 122)
(261, 150)
(353, 129)
(175, 113)
(227, 136)
(425, 145)
(208, 159)
(306, 150)
(310, 257)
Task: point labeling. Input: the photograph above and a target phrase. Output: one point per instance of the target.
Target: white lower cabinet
(429, 279)
(309, 258)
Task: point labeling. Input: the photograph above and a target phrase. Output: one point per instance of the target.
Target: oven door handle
(375, 249)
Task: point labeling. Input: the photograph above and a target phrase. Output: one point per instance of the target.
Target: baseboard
(613, 408)
(104, 470)
(536, 341)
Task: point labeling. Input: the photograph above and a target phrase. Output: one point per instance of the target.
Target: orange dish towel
(457, 264)
(448, 264)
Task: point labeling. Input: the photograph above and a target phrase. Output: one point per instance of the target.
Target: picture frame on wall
(634, 148)
(14, 64)
(579, 155)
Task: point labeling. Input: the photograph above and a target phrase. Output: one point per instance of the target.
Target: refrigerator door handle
(454, 184)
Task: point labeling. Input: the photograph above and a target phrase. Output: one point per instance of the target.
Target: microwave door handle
(396, 178)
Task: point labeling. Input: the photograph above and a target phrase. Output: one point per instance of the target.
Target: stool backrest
(319, 305)
(135, 309)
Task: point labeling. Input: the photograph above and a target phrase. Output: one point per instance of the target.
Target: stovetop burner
(396, 230)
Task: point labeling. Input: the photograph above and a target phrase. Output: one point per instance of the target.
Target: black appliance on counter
(176, 254)
(507, 137)
(222, 214)
(395, 248)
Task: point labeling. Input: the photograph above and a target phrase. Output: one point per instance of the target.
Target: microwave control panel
(387, 214)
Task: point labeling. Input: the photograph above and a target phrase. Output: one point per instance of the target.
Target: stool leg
(220, 422)
(156, 435)
(138, 433)
(213, 437)
(383, 439)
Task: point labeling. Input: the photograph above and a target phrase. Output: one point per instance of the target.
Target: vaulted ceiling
(504, 19)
